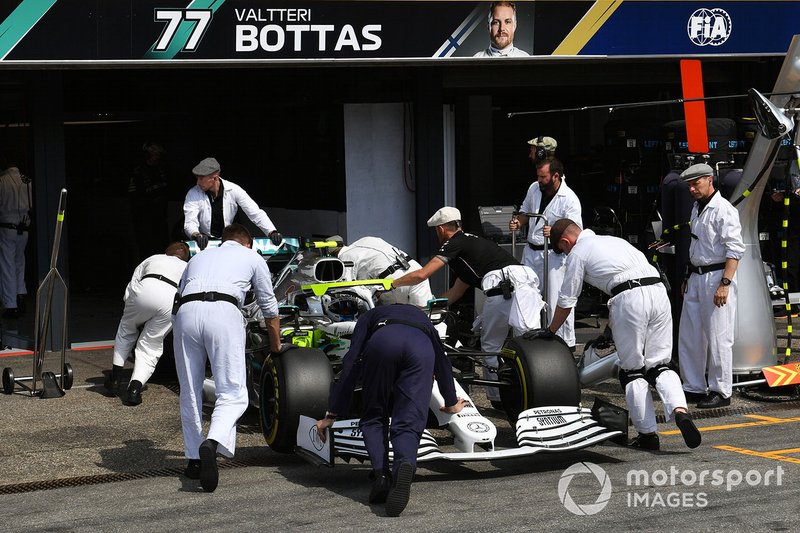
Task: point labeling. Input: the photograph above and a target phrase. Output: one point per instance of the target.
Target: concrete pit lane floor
(85, 462)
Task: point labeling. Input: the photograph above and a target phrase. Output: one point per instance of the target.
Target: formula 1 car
(319, 303)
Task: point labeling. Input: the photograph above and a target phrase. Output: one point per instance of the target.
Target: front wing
(541, 429)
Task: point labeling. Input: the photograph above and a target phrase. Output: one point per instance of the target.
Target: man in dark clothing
(395, 352)
(511, 289)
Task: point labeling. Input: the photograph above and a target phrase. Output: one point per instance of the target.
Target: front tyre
(294, 383)
(542, 372)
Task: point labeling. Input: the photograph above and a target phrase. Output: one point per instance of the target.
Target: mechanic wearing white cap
(502, 26)
(548, 195)
(209, 325)
(148, 308)
(211, 205)
(640, 316)
(705, 336)
(511, 289)
(374, 258)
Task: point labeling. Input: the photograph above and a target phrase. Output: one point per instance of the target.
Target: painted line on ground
(775, 455)
(762, 421)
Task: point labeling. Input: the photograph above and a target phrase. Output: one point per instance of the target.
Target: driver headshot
(502, 26)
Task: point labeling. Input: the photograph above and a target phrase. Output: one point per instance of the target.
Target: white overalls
(564, 204)
(706, 334)
(640, 318)
(372, 256)
(216, 330)
(148, 305)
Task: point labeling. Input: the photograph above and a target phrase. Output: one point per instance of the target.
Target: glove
(201, 239)
(541, 333)
(275, 237)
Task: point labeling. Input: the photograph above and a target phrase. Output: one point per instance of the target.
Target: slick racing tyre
(541, 372)
(293, 383)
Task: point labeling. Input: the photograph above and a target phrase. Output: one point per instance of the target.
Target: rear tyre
(542, 372)
(293, 383)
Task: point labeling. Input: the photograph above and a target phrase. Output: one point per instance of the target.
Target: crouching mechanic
(511, 289)
(638, 314)
(209, 325)
(148, 306)
(395, 352)
(374, 258)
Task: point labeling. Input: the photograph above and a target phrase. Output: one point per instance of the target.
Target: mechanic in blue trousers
(395, 352)
(208, 325)
(511, 289)
(211, 205)
(639, 315)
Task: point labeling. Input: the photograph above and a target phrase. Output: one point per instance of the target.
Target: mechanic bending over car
(374, 258)
(394, 353)
(511, 289)
(208, 324)
(148, 306)
(211, 205)
(639, 314)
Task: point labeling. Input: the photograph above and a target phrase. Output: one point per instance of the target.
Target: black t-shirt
(217, 213)
(471, 257)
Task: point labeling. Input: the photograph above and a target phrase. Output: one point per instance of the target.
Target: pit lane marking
(777, 455)
(760, 421)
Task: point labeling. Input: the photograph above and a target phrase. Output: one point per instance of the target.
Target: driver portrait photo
(502, 26)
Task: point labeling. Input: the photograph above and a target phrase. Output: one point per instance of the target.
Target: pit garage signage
(75, 31)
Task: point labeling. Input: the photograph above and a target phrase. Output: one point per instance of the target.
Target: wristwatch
(725, 282)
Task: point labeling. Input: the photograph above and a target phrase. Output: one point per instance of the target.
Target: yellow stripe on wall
(587, 27)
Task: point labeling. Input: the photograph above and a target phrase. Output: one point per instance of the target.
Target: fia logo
(709, 27)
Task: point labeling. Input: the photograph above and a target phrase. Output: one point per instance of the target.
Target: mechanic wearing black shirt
(511, 289)
(395, 352)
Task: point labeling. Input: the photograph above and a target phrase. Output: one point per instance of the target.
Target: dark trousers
(398, 368)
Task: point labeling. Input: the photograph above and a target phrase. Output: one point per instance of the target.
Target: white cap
(443, 216)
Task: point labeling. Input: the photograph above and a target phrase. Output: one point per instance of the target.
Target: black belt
(209, 297)
(496, 291)
(537, 247)
(633, 283)
(162, 278)
(705, 269)
(394, 267)
(17, 227)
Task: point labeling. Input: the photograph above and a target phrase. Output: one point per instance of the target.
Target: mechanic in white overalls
(209, 325)
(639, 315)
(511, 289)
(212, 203)
(15, 206)
(548, 195)
(147, 318)
(705, 337)
(374, 258)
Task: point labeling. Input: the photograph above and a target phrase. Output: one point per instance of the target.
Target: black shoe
(691, 436)
(380, 488)
(209, 473)
(112, 379)
(695, 396)
(11, 314)
(397, 499)
(714, 399)
(645, 442)
(134, 395)
(192, 469)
